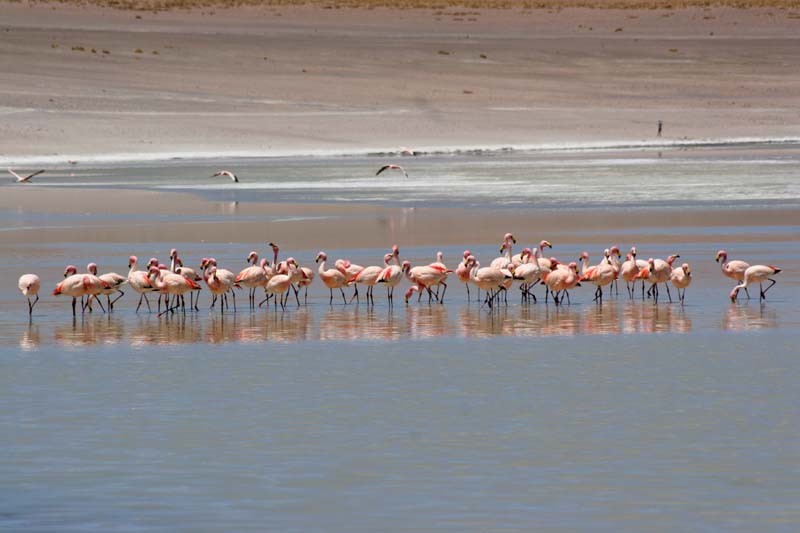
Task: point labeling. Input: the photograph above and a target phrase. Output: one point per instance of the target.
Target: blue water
(627, 416)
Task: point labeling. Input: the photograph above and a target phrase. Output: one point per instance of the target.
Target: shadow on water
(382, 323)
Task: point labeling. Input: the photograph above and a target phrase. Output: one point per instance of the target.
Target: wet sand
(78, 82)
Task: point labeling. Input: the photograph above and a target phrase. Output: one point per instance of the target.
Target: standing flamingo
(253, 277)
(628, 270)
(192, 275)
(79, 285)
(279, 284)
(732, 269)
(529, 272)
(367, 276)
(681, 278)
(172, 284)
(29, 287)
(492, 280)
(601, 275)
(462, 272)
(114, 280)
(139, 281)
(658, 271)
(759, 274)
(391, 275)
(562, 280)
(424, 276)
(331, 278)
(220, 282)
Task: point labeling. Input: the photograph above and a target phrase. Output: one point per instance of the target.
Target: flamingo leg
(355, 294)
(467, 284)
(121, 294)
(74, 300)
(344, 298)
(330, 302)
(764, 291)
(668, 294)
(444, 291)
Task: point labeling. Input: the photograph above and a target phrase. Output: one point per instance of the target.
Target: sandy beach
(78, 82)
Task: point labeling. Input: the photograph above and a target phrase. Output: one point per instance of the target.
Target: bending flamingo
(29, 287)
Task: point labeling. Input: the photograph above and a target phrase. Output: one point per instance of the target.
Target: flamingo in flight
(24, 179)
(392, 167)
(227, 174)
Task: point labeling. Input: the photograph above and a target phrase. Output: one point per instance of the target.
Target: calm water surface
(630, 416)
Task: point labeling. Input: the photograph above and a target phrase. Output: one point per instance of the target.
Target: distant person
(660, 125)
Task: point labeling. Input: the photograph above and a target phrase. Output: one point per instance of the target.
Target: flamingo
(114, 280)
(24, 179)
(732, 269)
(391, 275)
(424, 276)
(601, 275)
(562, 279)
(367, 276)
(517, 259)
(78, 285)
(462, 272)
(528, 271)
(307, 277)
(139, 281)
(440, 266)
(331, 278)
(227, 174)
(220, 281)
(96, 287)
(753, 274)
(628, 270)
(504, 260)
(490, 279)
(392, 167)
(612, 257)
(29, 285)
(253, 276)
(279, 284)
(192, 275)
(681, 278)
(657, 271)
(172, 284)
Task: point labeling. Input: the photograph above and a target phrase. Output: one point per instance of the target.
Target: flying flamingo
(759, 274)
(24, 179)
(681, 278)
(392, 167)
(331, 278)
(227, 174)
(29, 287)
(391, 275)
(601, 275)
(732, 269)
(114, 280)
(139, 281)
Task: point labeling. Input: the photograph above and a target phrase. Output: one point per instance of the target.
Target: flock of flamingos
(280, 280)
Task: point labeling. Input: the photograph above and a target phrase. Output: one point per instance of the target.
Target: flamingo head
(91, 268)
(628, 257)
(573, 266)
(439, 257)
(252, 257)
(509, 237)
(545, 244)
(615, 251)
(70, 270)
(152, 262)
(213, 272)
(686, 269)
(606, 253)
(173, 253)
(585, 255)
(554, 263)
(153, 271)
(264, 263)
(274, 247)
(410, 291)
(467, 253)
(671, 259)
(322, 256)
(292, 261)
(406, 266)
(633, 252)
(203, 263)
(733, 294)
(132, 260)
(395, 251)
(651, 262)
(722, 255)
(387, 257)
(526, 252)
(179, 261)
(211, 262)
(471, 261)
(503, 246)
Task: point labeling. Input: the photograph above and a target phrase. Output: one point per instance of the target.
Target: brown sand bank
(77, 81)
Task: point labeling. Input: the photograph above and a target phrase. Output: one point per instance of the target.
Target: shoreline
(550, 148)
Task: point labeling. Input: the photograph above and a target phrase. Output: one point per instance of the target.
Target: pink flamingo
(174, 285)
(331, 278)
(139, 281)
(114, 280)
(253, 276)
(517, 259)
(629, 270)
(504, 260)
(367, 276)
(441, 267)
(562, 279)
(462, 272)
(192, 275)
(601, 275)
(657, 271)
(392, 167)
(528, 272)
(612, 257)
(29, 285)
(78, 285)
(279, 284)
(220, 281)
(733, 269)
(756, 274)
(492, 280)
(681, 278)
(424, 276)
(391, 275)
